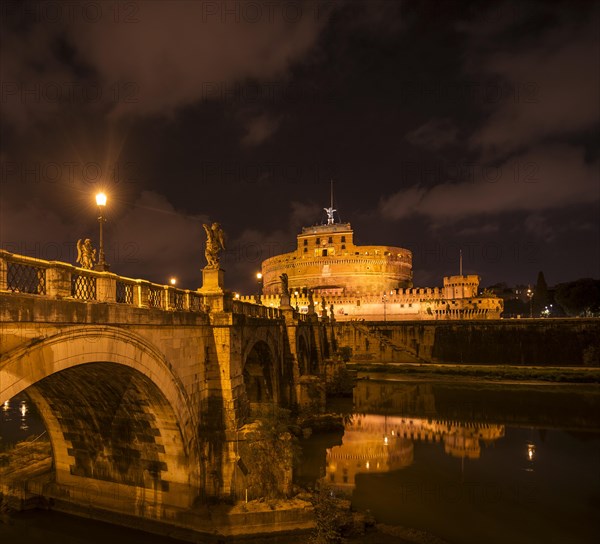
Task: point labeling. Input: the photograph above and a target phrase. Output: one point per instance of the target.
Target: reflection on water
(374, 443)
(474, 463)
(19, 420)
(469, 462)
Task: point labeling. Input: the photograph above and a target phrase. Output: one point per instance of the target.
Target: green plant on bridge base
(331, 518)
(345, 352)
(269, 454)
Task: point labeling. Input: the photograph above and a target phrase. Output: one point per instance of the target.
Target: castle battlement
(366, 282)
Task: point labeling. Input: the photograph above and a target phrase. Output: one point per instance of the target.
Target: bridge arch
(260, 379)
(302, 349)
(116, 414)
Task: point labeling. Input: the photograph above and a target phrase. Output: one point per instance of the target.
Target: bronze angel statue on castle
(215, 242)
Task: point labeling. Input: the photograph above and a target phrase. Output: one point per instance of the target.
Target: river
(469, 462)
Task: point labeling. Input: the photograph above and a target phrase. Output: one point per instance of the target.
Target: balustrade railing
(23, 277)
(196, 302)
(21, 274)
(155, 297)
(83, 286)
(124, 291)
(255, 310)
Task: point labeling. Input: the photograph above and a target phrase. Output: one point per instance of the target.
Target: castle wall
(367, 282)
(539, 342)
(400, 305)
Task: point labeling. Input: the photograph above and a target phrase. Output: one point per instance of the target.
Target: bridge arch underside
(115, 438)
(303, 356)
(306, 354)
(260, 378)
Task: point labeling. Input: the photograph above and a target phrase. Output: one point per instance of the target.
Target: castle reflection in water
(376, 442)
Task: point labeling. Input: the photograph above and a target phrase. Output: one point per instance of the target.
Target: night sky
(444, 125)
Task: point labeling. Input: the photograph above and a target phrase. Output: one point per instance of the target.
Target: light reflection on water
(470, 463)
(19, 420)
(473, 464)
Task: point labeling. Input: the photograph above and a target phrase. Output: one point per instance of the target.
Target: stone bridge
(142, 387)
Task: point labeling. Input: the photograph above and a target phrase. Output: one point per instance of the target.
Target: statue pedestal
(284, 302)
(213, 281)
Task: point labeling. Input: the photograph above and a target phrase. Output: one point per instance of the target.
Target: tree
(269, 453)
(580, 297)
(331, 518)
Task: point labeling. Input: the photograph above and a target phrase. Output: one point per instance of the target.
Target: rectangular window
(305, 242)
(343, 246)
(318, 241)
(325, 253)
(331, 239)
(343, 238)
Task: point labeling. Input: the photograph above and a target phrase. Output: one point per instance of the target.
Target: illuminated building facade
(327, 262)
(367, 282)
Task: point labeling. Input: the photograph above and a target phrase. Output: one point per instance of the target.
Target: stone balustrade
(21, 274)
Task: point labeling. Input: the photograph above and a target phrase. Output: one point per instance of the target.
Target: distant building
(327, 261)
(366, 282)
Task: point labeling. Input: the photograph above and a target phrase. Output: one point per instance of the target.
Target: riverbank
(509, 373)
(531, 342)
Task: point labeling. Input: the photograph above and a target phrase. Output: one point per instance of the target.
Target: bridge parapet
(255, 310)
(22, 274)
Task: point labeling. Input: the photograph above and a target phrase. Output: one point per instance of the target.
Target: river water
(470, 462)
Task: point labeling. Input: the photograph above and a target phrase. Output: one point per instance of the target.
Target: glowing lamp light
(259, 275)
(530, 451)
(173, 281)
(101, 199)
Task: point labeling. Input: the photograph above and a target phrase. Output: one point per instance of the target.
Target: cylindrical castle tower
(327, 261)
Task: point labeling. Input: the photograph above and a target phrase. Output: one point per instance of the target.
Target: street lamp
(101, 202)
(530, 295)
(259, 279)
(173, 281)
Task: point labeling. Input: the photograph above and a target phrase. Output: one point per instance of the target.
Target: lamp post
(101, 202)
(530, 295)
(259, 279)
(384, 300)
(296, 294)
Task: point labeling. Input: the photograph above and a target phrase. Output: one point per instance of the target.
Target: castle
(373, 283)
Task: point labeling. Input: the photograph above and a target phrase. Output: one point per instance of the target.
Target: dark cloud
(259, 129)
(539, 226)
(436, 134)
(441, 124)
(155, 59)
(543, 178)
(547, 87)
